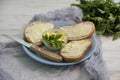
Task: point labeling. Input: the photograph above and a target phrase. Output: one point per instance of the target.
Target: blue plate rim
(39, 59)
(48, 62)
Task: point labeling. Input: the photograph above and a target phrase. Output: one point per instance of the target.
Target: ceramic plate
(48, 62)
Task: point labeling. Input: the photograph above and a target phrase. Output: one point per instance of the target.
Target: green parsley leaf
(53, 41)
(105, 14)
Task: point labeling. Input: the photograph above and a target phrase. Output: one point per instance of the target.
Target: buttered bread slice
(79, 31)
(76, 50)
(33, 31)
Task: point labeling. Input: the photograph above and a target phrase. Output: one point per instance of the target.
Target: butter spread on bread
(33, 31)
(76, 50)
(79, 31)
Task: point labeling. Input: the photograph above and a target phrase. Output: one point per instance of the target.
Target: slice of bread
(76, 50)
(33, 31)
(79, 31)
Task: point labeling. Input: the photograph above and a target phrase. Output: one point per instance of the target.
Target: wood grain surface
(15, 14)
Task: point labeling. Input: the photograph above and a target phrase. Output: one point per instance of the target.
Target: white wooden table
(14, 14)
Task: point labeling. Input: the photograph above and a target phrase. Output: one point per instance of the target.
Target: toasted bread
(76, 50)
(33, 31)
(79, 31)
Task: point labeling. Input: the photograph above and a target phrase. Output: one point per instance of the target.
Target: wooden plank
(15, 14)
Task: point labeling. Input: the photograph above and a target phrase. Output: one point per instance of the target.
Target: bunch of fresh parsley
(53, 41)
(105, 14)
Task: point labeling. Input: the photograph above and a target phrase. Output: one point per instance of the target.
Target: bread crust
(85, 36)
(27, 38)
(82, 37)
(76, 59)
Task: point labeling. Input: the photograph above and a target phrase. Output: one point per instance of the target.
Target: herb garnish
(104, 13)
(53, 41)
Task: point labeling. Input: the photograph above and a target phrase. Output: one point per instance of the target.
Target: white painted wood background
(14, 14)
